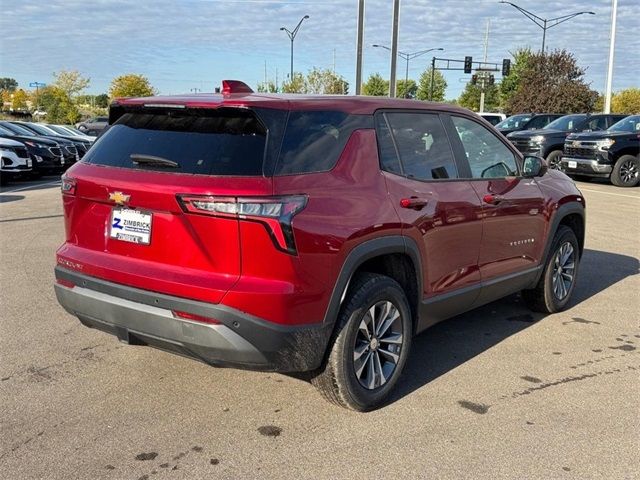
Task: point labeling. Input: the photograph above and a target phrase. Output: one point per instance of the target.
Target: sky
(182, 45)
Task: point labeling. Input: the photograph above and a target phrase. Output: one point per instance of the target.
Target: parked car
(307, 233)
(72, 134)
(69, 147)
(15, 161)
(46, 155)
(548, 142)
(613, 154)
(93, 126)
(81, 144)
(493, 118)
(526, 121)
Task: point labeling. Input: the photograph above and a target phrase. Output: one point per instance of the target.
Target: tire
(626, 172)
(337, 379)
(554, 158)
(553, 291)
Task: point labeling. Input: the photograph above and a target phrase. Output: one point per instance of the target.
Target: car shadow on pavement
(453, 342)
(10, 198)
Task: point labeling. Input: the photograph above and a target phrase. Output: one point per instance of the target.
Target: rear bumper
(239, 340)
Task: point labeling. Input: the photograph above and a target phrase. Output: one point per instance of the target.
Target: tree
(552, 82)
(626, 101)
(19, 100)
(325, 82)
(376, 86)
(268, 87)
(424, 86)
(102, 100)
(470, 97)
(509, 84)
(58, 105)
(8, 84)
(297, 84)
(131, 85)
(70, 82)
(406, 91)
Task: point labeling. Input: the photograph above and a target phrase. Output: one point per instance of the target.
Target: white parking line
(609, 193)
(35, 185)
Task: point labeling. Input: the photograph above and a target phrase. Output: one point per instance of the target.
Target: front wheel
(370, 345)
(626, 172)
(558, 279)
(554, 159)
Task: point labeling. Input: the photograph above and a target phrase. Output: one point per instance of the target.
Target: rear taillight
(68, 186)
(275, 213)
(65, 283)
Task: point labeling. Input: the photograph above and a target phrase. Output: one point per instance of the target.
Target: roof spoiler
(235, 86)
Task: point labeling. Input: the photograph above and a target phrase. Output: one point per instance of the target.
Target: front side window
(488, 157)
(537, 122)
(420, 144)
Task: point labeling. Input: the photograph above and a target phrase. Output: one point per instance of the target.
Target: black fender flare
(569, 208)
(363, 252)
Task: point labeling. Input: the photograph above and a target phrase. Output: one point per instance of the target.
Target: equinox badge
(119, 197)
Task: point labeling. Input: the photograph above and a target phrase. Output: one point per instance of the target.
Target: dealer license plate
(131, 226)
(572, 164)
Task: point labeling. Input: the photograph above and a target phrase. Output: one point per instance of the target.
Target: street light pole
(545, 23)
(612, 46)
(407, 57)
(292, 37)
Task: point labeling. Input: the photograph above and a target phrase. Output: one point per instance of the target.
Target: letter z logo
(116, 223)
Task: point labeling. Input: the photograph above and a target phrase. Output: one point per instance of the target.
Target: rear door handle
(492, 199)
(414, 202)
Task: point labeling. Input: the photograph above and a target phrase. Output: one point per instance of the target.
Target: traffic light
(492, 80)
(467, 64)
(506, 67)
(474, 79)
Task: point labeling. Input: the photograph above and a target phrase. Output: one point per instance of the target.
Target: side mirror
(534, 167)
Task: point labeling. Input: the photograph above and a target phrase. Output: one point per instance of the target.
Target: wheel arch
(396, 256)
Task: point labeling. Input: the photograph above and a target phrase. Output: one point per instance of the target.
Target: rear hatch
(143, 208)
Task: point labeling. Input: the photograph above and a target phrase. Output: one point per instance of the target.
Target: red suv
(307, 233)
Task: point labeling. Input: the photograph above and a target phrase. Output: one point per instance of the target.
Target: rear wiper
(142, 159)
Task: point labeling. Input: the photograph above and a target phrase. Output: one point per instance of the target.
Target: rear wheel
(558, 279)
(370, 345)
(554, 158)
(626, 172)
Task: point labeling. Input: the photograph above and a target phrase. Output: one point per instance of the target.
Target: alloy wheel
(564, 266)
(629, 171)
(377, 345)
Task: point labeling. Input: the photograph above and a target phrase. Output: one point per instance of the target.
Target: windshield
(58, 130)
(514, 121)
(17, 129)
(6, 131)
(629, 124)
(41, 129)
(568, 122)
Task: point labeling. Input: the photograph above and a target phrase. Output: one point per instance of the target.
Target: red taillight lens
(65, 283)
(68, 186)
(275, 213)
(194, 317)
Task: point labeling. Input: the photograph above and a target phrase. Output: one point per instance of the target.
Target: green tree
(376, 86)
(626, 101)
(70, 82)
(58, 105)
(326, 82)
(509, 84)
(9, 84)
(439, 86)
(470, 97)
(552, 82)
(131, 85)
(268, 87)
(406, 91)
(102, 100)
(297, 84)
(19, 100)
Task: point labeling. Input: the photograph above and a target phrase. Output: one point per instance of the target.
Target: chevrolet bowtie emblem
(119, 197)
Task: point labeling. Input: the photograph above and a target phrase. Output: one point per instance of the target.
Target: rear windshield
(206, 142)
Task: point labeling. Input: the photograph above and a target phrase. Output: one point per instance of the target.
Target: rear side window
(225, 141)
(421, 144)
(314, 140)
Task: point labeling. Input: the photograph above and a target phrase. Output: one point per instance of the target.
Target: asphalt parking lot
(495, 393)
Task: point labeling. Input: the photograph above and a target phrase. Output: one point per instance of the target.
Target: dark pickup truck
(526, 121)
(548, 142)
(612, 154)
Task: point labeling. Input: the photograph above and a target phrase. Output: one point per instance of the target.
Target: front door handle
(414, 202)
(492, 199)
